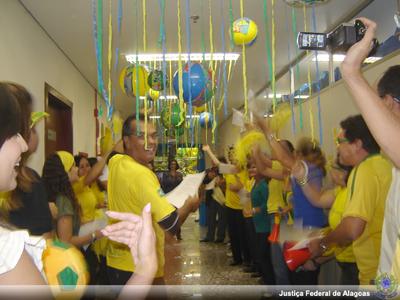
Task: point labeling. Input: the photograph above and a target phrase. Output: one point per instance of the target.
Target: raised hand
(360, 50)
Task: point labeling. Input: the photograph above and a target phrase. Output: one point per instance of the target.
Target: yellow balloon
(106, 142)
(154, 95)
(117, 124)
(199, 109)
(244, 31)
(133, 77)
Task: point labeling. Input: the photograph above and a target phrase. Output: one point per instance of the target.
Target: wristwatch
(323, 246)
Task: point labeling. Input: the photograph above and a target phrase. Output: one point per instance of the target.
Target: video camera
(337, 41)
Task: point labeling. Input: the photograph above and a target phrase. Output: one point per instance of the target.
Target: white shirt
(13, 243)
(391, 224)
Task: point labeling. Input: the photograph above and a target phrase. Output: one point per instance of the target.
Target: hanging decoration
(154, 94)
(246, 100)
(213, 69)
(155, 80)
(199, 89)
(206, 119)
(297, 78)
(109, 53)
(244, 31)
(189, 63)
(171, 116)
(314, 22)
(300, 3)
(273, 79)
(224, 75)
(134, 80)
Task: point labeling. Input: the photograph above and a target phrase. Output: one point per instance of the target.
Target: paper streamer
(110, 37)
(180, 59)
(246, 101)
(144, 25)
(188, 46)
(273, 81)
(294, 30)
(137, 71)
(314, 21)
(213, 68)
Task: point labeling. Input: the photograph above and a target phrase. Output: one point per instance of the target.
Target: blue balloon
(200, 89)
(206, 118)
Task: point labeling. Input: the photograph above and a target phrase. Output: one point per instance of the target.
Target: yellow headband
(67, 160)
(37, 116)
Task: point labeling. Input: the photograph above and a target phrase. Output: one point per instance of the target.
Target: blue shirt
(259, 197)
(302, 208)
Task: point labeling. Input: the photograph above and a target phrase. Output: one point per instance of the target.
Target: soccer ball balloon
(206, 119)
(156, 80)
(171, 117)
(197, 89)
(132, 79)
(244, 31)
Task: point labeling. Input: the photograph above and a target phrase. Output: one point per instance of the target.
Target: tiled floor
(189, 262)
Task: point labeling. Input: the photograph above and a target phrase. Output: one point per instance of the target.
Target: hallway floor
(189, 262)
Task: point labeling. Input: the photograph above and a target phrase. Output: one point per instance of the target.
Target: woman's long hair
(310, 151)
(25, 177)
(57, 182)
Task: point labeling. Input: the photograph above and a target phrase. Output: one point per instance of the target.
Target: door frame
(48, 89)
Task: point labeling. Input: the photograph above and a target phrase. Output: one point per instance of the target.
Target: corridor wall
(29, 57)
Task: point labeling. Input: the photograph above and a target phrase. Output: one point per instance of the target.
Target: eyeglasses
(141, 135)
(340, 140)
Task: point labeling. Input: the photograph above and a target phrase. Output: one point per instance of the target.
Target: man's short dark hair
(126, 128)
(356, 128)
(389, 84)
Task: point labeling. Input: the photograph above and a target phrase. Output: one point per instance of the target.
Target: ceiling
(69, 24)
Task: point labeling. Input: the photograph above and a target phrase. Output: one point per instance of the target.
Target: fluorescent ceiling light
(271, 96)
(301, 97)
(169, 97)
(184, 57)
(187, 117)
(323, 57)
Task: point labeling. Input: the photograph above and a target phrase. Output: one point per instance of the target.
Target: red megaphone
(294, 258)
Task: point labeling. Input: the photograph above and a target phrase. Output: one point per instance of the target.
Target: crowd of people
(283, 188)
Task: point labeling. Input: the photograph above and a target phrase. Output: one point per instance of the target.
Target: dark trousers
(264, 258)
(214, 210)
(349, 274)
(119, 277)
(251, 242)
(236, 229)
(304, 277)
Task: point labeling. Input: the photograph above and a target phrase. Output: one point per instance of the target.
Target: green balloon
(172, 117)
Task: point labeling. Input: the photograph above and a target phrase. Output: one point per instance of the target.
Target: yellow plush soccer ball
(244, 31)
(65, 268)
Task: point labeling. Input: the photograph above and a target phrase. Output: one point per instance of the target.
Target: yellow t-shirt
(343, 254)
(130, 187)
(100, 196)
(275, 187)
(86, 199)
(367, 189)
(232, 199)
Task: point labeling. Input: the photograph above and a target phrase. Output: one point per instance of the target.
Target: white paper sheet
(188, 187)
(211, 185)
(90, 227)
(227, 169)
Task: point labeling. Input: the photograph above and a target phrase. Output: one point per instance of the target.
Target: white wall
(29, 57)
(336, 105)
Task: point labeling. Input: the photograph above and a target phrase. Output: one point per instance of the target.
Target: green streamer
(294, 29)
(267, 43)
(231, 24)
(100, 37)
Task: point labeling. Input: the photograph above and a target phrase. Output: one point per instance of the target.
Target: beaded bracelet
(304, 180)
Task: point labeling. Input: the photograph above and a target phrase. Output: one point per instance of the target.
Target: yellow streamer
(229, 70)
(273, 80)
(244, 67)
(213, 69)
(180, 63)
(310, 112)
(145, 123)
(144, 25)
(170, 78)
(110, 30)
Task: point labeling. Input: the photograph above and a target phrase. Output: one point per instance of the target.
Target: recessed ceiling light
(228, 56)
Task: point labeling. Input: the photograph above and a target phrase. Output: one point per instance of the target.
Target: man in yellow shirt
(367, 188)
(131, 185)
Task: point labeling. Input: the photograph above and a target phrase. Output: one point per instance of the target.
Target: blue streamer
(314, 23)
(115, 68)
(99, 59)
(291, 97)
(162, 41)
(188, 46)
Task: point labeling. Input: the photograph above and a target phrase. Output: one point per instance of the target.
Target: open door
(58, 127)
